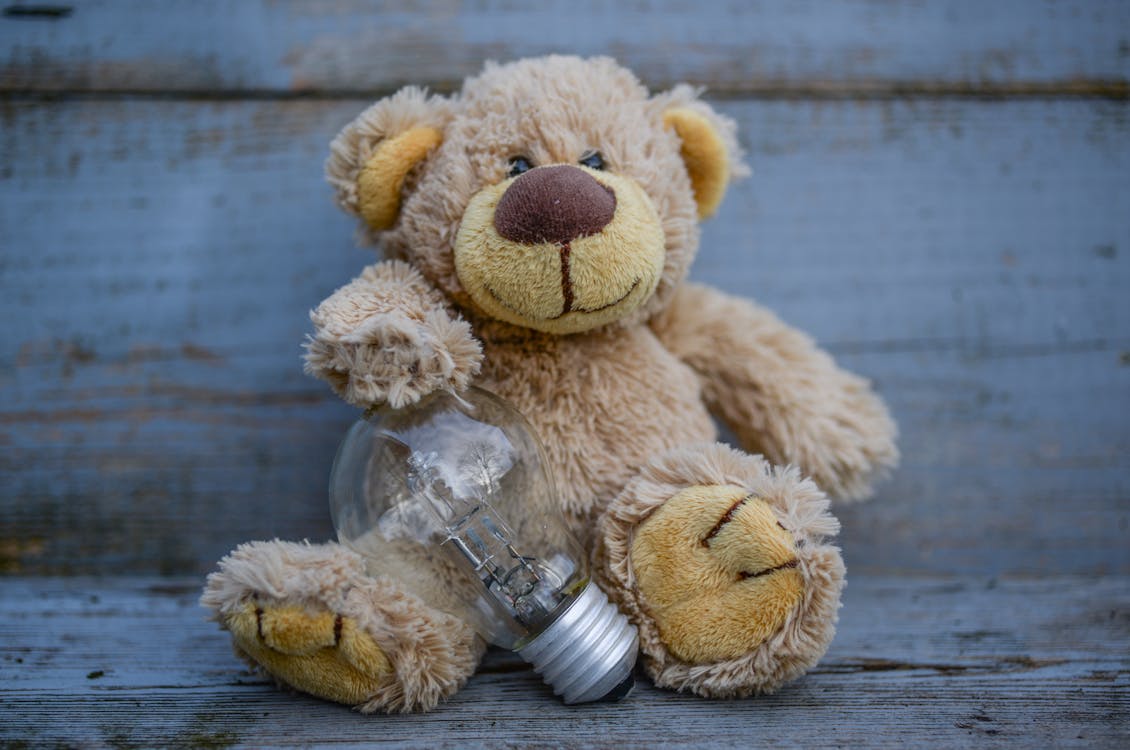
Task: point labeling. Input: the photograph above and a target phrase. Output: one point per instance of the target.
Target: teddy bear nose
(554, 204)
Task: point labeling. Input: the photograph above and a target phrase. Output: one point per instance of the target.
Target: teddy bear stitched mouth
(568, 308)
(623, 297)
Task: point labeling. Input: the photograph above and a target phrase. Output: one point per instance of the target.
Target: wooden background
(941, 196)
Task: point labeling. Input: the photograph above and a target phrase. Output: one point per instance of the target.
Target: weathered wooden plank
(917, 661)
(862, 46)
(157, 259)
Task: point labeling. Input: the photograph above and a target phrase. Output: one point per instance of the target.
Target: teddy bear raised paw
(537, 228)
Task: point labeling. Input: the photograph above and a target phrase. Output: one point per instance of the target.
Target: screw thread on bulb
(588, 652)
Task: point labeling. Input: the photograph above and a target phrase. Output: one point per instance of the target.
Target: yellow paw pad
(717, 572)
(320, 653)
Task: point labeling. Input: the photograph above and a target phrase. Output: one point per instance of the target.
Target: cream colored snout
(560, 248)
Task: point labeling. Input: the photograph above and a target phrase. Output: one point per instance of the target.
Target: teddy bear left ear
(708, 145)
(373, 155)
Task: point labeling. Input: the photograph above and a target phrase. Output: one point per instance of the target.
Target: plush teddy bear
(538, 226)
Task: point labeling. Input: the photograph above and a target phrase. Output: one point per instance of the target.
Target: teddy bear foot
(311, 618)
(721, 561)
(317, 652)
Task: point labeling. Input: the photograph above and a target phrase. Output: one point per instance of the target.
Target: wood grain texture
(953, 661)
(158, 259)
(873, 47)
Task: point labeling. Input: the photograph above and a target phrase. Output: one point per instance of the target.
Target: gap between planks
(878, 90)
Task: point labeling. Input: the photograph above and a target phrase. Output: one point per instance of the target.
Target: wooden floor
(917, 661)
(941, 196)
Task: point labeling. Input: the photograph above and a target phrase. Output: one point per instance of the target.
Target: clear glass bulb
(452, 496)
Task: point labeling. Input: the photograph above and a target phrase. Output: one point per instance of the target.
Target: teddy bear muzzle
(560, 248)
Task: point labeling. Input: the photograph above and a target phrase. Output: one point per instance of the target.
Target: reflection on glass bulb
(452, 497)
(526, 588)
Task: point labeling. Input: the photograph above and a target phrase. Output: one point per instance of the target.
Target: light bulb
(452, 497)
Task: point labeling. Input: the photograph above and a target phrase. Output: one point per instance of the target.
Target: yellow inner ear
(380, 180)
(704, 154)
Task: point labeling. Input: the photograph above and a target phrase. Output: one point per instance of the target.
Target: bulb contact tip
(621, 691)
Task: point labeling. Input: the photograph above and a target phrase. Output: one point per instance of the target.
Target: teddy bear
(537, 227)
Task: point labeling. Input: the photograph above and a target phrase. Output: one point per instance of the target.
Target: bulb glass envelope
(452, 497)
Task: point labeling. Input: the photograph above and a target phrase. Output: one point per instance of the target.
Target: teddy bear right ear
(708, 144)
(371, 157)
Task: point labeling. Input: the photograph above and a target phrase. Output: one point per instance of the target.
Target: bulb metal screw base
(588, 653)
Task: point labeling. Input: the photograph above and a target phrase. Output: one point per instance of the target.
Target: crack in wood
(877, 90)
(998, 665)
(49, 12)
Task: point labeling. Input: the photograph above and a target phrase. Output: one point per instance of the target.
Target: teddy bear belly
(602, 405)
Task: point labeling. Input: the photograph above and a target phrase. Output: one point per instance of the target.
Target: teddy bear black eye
(518, 165)
(592, 160)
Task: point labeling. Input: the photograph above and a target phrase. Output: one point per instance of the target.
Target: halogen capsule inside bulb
(451, 496)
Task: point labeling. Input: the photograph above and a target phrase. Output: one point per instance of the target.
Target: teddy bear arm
(779, 393)
(387, 337)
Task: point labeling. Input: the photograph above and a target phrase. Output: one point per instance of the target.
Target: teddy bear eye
(592, 160)
(518, 165)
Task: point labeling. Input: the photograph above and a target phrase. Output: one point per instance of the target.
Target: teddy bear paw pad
(318, 652)
(717, 572)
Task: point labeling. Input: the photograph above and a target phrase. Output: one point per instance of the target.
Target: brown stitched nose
(553, 204)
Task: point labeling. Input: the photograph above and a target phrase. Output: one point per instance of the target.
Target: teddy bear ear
(708, 145)
(373, 155)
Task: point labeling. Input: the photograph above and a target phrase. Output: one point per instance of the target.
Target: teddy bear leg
(782, 395)
(311, 617)
(722, 562)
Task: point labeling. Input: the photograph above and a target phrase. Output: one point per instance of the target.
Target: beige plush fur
(391, 651)
(386, 337)
(781, 395)
(800, 507)
(622, 400)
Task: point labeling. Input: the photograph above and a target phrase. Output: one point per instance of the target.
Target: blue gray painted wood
(953, 662)
(160, 257)
(814, 47)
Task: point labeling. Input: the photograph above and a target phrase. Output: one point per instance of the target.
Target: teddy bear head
(550, 193)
